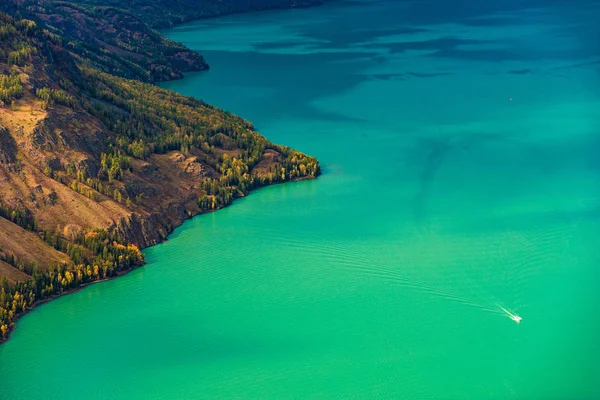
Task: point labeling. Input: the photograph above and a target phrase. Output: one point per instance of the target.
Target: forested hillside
(165, 13)
(118, 36)
(110, 39)
(94, 166)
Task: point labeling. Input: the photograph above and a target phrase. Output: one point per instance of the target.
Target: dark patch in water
(408, 75)
(283, 45)
(427, 75)
(389, 77)
(439, 44)
(293, 80)
(379, 59)
(435, 153)
(488, 21)
(520, 71)
(578, 65)
(432, 152)
(347, 36)
(484, 55)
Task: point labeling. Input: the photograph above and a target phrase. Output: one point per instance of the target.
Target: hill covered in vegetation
(118, 36)
(166, 13)
(110, 39)
(94, 166)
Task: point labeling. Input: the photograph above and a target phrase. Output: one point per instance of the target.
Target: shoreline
(119, 274)
(174, 224)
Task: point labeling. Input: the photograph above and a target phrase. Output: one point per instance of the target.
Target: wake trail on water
(415, 284)
(356, 263)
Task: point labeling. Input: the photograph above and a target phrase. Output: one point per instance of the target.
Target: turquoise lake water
(459, 144)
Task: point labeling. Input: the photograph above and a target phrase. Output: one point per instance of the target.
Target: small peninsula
(96, 162)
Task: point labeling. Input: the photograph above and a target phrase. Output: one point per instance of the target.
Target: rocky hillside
(94, 167)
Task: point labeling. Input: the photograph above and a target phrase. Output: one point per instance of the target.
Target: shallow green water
(441, 200)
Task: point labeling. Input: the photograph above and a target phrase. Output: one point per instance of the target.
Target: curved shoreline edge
(121, 273)
(146, 237)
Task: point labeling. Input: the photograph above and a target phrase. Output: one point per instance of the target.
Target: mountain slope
(117, 36)
(94, 167)
(110, 39)
(166, 13)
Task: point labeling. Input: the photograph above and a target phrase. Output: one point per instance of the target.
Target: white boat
(512, 316)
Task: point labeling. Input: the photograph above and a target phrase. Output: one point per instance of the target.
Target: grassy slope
(11, 273)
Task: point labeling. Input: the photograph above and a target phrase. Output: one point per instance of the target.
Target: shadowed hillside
(117, 36)
(165, 13)
(110, 39)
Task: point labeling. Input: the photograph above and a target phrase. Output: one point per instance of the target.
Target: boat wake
(411, 282)
(511, 315)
